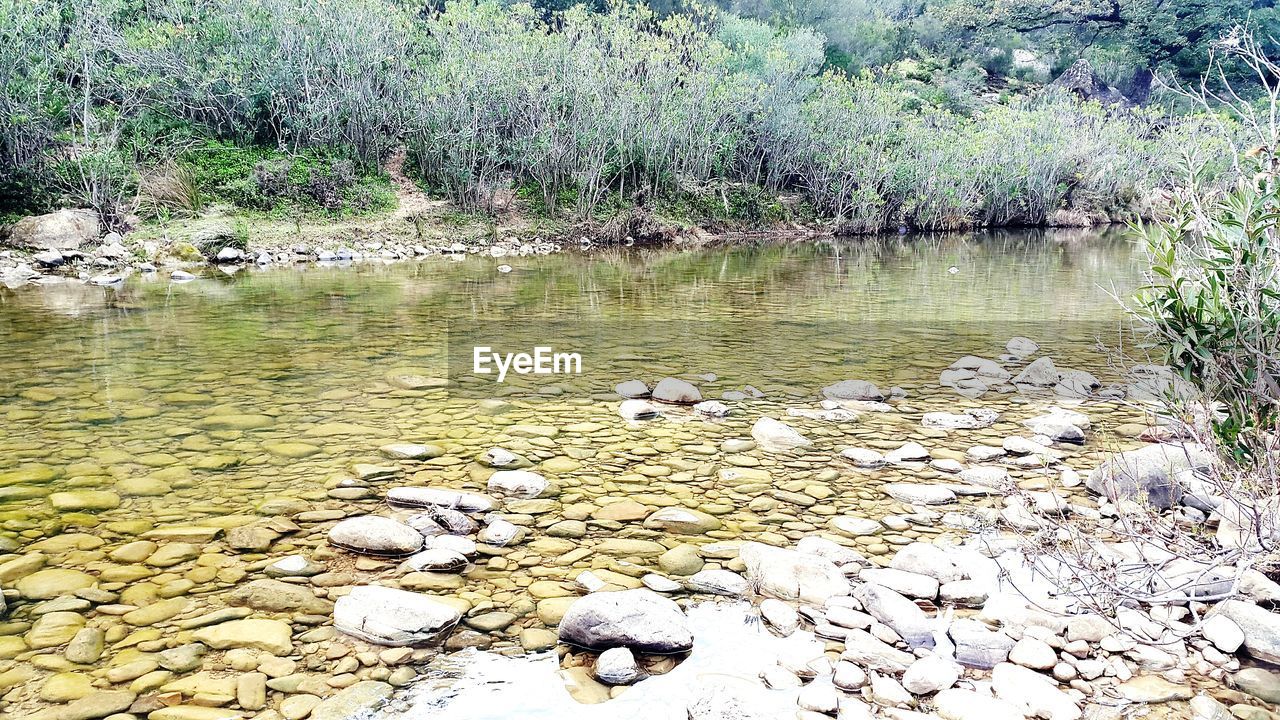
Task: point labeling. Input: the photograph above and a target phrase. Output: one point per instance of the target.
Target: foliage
(1214, 306)
(262, 179)
(158, 108)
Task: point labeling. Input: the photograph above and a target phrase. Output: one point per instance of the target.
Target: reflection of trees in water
(378, 311)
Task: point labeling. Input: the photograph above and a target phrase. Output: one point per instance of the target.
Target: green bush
(1213, 307)
(260, 179)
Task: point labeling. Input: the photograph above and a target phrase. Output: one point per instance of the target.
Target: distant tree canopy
(1171, 35)
(1136, 38)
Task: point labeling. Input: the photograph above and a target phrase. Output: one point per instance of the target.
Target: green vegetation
(873, 117)
(1212, 300)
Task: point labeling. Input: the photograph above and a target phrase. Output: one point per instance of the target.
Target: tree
(1160, 34)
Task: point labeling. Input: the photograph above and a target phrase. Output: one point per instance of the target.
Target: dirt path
(410, 200)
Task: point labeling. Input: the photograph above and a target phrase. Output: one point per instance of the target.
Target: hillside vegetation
(932, 117)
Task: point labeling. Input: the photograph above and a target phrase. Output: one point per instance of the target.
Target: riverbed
(165, 443)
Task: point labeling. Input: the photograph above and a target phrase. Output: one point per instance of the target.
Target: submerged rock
(387, 616)
(517, 483)
(776, 436)
(853, 390)
(638, 619)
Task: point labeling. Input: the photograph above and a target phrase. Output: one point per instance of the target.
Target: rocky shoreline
(321, 605)
(68, 257)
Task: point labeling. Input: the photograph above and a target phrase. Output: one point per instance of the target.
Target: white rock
(375, 535)
(1041, 373)
(718, 582)
(775, 436)
(500, 533)
(852, 390)
(830, 550)
(617, 666)
(1223, 633)
(989, 476)
(967, 593)
(863, 457)
(780, 616)
(437, 560)
(1032, 653)
(1261, 628)
(441, 497)
(791, 575)
(908, 452)
(848, 677)
(850, 526)
(819, 696)
(977, 645)
(711, 408)
(887, 691)
(907, 583)
(1022, 347)
(658, 583)
(917, 494)
(972, 419)
(957, 704)
(984, 453)
(639, 619)
(1032, 693)
(517, 483)
(674, 390)
(638, 410)
(926, 559)
(387, 616)
(930, 674)
(905, 617)
(632, 389)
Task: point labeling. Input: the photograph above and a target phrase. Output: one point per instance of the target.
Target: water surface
(217, 402)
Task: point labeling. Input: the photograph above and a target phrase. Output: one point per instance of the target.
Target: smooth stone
(272, 636)
(375, 535)
(639, 619)
(50, 583)
(387, 616)
(617, 666)
(352, 701)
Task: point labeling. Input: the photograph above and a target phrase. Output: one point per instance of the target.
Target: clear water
(230, 394)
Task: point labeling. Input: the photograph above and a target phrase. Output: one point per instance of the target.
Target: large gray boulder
(639, 619)
(1148, 474)
(387, 616)
(1080, 80)
(792, 575)
(61, 230)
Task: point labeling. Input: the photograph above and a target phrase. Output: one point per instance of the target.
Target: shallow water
(217, 402)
